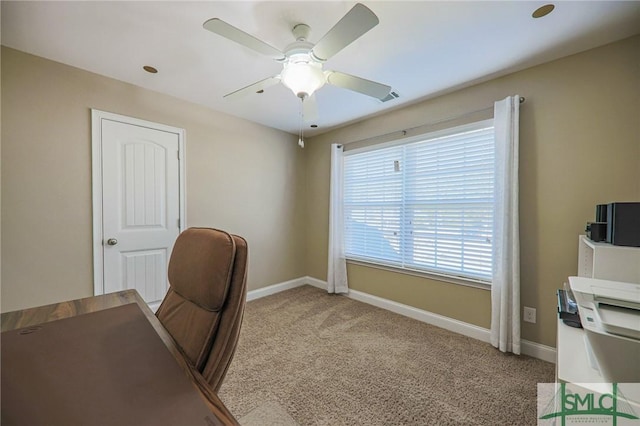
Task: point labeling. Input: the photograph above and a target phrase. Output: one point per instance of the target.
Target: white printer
(610, 315)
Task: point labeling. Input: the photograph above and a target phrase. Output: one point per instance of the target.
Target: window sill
(430, 275)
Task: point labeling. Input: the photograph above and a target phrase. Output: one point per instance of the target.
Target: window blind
(426, 205)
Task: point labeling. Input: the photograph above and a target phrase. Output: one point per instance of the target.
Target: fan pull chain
(301, 131)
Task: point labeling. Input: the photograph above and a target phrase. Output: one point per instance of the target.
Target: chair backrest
(224, 345)
(203, 307)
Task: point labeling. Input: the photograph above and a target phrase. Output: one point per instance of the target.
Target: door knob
(112, 241)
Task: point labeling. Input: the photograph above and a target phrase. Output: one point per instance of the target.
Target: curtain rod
(404, 132)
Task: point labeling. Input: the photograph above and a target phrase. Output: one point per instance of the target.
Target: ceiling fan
(302, 61)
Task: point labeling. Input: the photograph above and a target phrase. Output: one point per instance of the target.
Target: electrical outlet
(529, 314)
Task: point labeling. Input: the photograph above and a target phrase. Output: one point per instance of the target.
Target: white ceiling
(420, 48)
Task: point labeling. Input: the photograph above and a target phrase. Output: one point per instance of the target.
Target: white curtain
(337, 271)
(505, 288)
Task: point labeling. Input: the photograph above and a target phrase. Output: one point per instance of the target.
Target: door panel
(140, 206)
(143, 270)
(144, 185)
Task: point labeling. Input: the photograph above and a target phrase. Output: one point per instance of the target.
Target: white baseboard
(316, 282)
(276, 288)
(441, 321)
(538, 350)
(532, 349)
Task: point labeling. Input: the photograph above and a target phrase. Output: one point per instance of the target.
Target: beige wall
(579, 146)
(0, 168)
(241, 177)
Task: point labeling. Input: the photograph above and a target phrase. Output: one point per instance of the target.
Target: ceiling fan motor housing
(301, 32)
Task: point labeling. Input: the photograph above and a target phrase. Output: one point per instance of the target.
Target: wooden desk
(44, 314)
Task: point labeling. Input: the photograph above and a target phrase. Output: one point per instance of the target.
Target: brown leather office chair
(224, 346)
(204, 306)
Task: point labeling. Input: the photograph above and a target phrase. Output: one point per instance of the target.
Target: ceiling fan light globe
(303, 78)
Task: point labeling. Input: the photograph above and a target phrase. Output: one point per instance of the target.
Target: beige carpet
(310, 358)
(270, 413)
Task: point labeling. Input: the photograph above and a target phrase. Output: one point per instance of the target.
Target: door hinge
(178, 223)
(178, 154)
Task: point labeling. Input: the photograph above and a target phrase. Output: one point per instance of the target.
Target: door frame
(97, 116)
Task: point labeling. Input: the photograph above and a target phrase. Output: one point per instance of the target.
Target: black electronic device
(601, 213)
(596, 231)
(568, 309)
(623, 224)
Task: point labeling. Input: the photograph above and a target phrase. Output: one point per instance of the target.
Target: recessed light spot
(313, 126)
(543, 11)
(150, 69)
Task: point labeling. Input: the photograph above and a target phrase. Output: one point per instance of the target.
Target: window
(425, 205)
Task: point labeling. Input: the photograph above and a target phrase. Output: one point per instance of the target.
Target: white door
(140, 173)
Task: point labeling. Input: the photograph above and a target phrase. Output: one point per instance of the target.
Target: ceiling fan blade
(232, 33)
(352, 26)
(310, 109)
(357, 84)
(255, 87)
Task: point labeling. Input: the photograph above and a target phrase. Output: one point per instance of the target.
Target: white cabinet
(595, 260)
(572, 360)
(606, 261)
